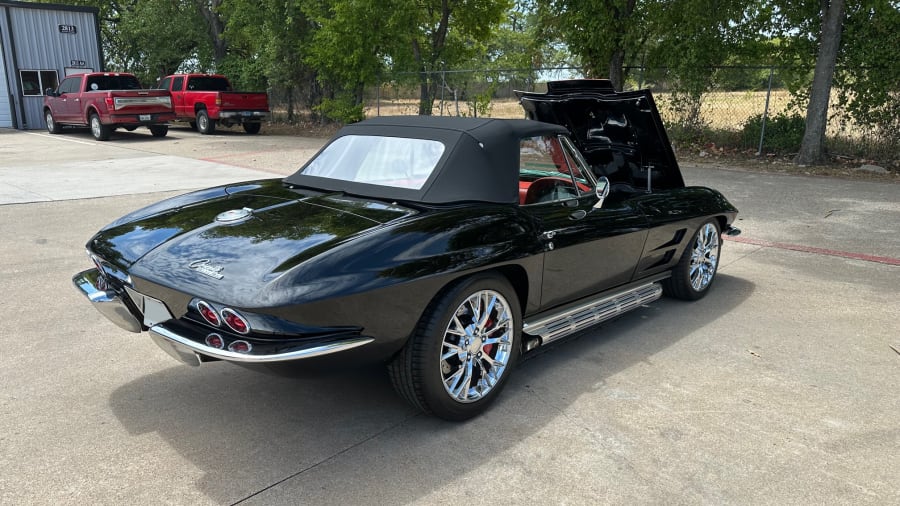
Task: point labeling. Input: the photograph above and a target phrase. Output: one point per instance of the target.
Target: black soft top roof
(480, 161)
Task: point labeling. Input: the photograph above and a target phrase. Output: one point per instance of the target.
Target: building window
(34, 82)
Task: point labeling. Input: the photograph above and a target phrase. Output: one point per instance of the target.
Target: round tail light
(209, 314)
(240, 347)
(215, 341)
(235, 321)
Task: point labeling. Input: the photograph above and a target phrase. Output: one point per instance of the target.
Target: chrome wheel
(49, 119)
(477, 346)
(95, 126)
(704, 257)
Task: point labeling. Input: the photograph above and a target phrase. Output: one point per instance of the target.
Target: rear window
(104, 83)
(387, 161)
(207, 83)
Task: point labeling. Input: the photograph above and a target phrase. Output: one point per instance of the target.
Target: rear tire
(205, 125)
(696, 270)
(100, 131)
(159, 130)
(252, 128)
(463, 349)
(52, 126)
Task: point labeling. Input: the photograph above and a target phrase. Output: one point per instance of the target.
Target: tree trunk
(812, 148)
(617, 58)
(424, 98)
(215, 29)
(616, 74)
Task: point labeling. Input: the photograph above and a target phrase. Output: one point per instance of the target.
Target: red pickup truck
(106, 101)
(206, 100)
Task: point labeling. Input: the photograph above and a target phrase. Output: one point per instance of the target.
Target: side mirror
(602, 191)
(50, 92)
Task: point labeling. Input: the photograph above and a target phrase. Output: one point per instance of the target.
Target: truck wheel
(252, 128)
(101, 132)
(205, 125)
(159, 130)
(52, 126)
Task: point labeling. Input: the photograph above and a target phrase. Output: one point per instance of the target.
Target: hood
(606, 125)
(238, 241)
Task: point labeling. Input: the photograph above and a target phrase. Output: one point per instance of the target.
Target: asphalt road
(780, 387)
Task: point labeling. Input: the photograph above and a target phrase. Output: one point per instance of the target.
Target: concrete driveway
(781, 387)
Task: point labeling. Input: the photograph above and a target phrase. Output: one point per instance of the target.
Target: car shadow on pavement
(336, 439)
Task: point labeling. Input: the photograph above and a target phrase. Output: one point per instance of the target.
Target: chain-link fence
(744, 108)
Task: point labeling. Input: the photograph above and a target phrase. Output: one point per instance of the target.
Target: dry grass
(724, 110)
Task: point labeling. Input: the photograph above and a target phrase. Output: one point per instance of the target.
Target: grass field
(721, 110)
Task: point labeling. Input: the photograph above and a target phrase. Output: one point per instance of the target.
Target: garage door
(5, 117)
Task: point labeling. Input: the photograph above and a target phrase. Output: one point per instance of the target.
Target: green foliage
(868, 73)
(344, 109)
(784, 132)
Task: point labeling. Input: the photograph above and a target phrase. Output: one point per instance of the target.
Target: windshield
(387, 161)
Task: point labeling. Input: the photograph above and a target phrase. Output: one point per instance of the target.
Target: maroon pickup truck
(206, 100)
(106, 101)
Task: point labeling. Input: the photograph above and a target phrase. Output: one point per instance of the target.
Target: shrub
(784, 132)
(341, 109)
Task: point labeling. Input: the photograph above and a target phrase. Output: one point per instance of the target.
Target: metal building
(40, 44)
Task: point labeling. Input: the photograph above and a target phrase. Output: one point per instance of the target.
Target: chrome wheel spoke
(453, 350)
(486, 314)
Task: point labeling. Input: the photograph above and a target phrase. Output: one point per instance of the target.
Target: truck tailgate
(237, 100)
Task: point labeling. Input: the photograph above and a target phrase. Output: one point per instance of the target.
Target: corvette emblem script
(205, 267)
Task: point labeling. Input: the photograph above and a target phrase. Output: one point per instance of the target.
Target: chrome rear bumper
(183, 343)
(193, 353)
(108, 302)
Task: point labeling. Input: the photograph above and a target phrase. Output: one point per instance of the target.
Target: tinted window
(178, 84)
(70, 85)
(164, 85)
(112, 82)
(208, 83)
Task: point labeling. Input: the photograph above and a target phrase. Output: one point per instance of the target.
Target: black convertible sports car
(443, 247)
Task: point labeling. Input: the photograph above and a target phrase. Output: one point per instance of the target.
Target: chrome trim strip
(108, 302)
(569, 321)
(194, 347)
(240, 114)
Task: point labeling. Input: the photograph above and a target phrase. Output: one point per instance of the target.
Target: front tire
(463, 349)
(205, 125)
(696, 270)
(159, 130)
(100, 131)
(52, 126)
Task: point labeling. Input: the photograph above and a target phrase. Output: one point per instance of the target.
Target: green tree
(439, 34)
(851, 47)
(602, 34)
(266, 43)
(348, 54)
(812, 148)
